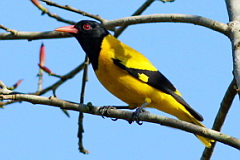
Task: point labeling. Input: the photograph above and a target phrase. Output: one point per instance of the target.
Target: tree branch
(55, 16)
(12, 31)
(33, 35)
(80, 117)
(52, 87)
(126, 115)
(139, 11)
(64, 78)
(233, 8)
(69, 8)
(221, 116)
(181, 18)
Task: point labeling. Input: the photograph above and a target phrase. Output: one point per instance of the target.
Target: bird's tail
(206, 141)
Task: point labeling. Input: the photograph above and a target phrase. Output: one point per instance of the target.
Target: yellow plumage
(129, 75)
(131, 90)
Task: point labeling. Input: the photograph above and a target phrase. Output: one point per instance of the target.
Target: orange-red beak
(68, 29)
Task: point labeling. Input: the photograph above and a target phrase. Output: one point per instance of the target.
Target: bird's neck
(92, 47)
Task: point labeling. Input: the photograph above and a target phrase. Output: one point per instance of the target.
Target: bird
(129, 75)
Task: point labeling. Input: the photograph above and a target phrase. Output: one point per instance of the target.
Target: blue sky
(197, 61)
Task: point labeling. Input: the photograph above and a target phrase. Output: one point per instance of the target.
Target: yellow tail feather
(206, 141)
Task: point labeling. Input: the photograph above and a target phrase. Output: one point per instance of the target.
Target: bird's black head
(90, 29)
(85, 29)
(90, 35)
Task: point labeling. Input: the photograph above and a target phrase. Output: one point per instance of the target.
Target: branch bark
(69, 8)
(126, 115)
(180, 18)
(233, 8)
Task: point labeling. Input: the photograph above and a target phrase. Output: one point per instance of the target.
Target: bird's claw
(105, 111)
(135, 116)
(114, 119)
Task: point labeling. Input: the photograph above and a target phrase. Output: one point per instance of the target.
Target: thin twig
(55, 16)
(137, 12)
(40, 80)
(221, 116)
(126, 115)
(54, 86)
(64, 78)
(4, 89)
(84, 79)
(58, 18)
(12, 31)
(2, 104)
(69, 8)
(80, 117)
(33, 35)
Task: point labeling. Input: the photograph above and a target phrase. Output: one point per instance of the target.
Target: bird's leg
(135, 115)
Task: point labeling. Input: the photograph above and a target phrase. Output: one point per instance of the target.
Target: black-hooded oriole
(129, 75)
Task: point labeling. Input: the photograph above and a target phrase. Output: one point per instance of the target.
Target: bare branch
(52, 87)
(58, 18)
(45, 10)
(233, 8)
(84, 79)
(181, 18)
(64, 78)
(33, 35)
(137, 12)
(80, 117)
(221, 116)
(12, 31)
(69, 8)
(4, 89)
(126, 115)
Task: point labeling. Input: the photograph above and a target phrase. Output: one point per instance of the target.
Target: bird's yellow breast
(114, 79)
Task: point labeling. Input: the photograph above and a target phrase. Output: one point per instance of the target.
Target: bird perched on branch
(129, 75)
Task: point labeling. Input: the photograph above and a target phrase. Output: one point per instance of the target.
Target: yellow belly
(124, 86)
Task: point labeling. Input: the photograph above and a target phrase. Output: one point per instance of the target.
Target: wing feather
(157, 80)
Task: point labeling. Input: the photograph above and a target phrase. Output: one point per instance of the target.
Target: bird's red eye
(87, 27)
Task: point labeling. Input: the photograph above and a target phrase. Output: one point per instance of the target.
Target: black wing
(157, 80)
